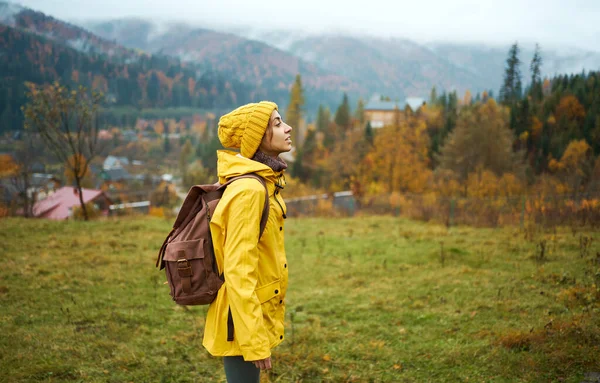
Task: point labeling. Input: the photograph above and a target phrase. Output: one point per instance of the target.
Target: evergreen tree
(536, 79)
(359, 114)
(510, 92)
(433, 97)
(153, 90)
(342, 114)
(369, 133)
(294, 111)
(167, 141)
(323, 118)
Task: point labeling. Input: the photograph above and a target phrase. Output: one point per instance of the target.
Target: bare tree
(27, 152)
(67, 121)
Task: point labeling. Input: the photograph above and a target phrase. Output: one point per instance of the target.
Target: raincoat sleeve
(245, 201)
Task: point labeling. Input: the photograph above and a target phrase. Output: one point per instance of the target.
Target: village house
(381, 113)
(61, 203)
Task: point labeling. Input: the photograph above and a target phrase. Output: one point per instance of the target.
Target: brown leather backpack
(187, 254)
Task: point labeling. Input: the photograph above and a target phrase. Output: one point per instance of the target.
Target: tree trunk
(79, 191)
(27, 208)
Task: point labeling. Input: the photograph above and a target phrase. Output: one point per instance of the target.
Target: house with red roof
(61, 203)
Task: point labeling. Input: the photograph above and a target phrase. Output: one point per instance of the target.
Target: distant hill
(40, 49)
(19, 17)
(398, 67)
(246, 60)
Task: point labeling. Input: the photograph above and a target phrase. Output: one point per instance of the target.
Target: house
(61, 203)
(381, 113)
(115, 174)
(113, 162)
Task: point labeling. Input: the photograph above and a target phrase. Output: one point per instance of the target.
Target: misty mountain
(16, 16)
(399, 66)
(246, 60)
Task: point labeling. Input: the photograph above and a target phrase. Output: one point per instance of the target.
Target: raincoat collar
(231, 164)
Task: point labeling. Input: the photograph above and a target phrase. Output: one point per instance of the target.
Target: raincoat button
(280, 301)
(280, 336)
(276, 291)
(285, 265)
(280, 228)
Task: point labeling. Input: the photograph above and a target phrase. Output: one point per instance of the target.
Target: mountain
(395, 66)
(249, 61)
(16, 16)
(39, 49)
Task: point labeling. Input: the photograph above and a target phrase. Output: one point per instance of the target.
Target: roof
(115, 174)
(381, 105)
(414, 103)
(112, 162)
(58, 205)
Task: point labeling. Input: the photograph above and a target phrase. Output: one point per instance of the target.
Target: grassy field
(371, 299)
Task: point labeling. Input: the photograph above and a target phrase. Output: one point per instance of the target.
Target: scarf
(277, 164)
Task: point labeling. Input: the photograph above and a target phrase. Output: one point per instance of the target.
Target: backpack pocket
(189, 270)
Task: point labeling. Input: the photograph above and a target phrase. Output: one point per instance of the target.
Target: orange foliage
(570, 108)
(159, 127)
(7, 166)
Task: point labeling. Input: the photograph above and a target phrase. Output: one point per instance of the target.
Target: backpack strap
(193, 201)
(265, 213)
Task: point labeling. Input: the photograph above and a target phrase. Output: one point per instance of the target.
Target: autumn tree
(294, 112)
(575, 166)
(67, 122)
(398, 160)
(481, 140)
(19, 168)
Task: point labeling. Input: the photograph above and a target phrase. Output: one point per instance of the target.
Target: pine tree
(167, 143)
(433, 97)
(536, 80)
(511, 88)
(369, 133)
(359, 114)
(323, 118)
(294, 111)
(153, 90)
(342, 114)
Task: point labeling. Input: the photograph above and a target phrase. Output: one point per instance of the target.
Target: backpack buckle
(183, 268)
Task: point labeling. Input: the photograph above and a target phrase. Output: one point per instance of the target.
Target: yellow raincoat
(256, 274)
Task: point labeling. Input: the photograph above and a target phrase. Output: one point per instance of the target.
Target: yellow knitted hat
(245, 127)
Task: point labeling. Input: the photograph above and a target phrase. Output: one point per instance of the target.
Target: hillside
(401, 66)
(150, 81)
(269, 69)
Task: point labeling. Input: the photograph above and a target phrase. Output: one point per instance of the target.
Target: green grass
(369, 300)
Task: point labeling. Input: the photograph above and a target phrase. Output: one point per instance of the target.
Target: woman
(246, 319)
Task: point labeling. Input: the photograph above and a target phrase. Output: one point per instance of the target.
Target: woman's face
(277, 139)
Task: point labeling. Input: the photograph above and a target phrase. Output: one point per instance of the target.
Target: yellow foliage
(524, 136)
(156, 212)
(536, 127)
(482, 184)
(7, 166)
(555, 165)
(575, 155)
(159, 127)
(570, 108)
(509, 185)
(77, 164)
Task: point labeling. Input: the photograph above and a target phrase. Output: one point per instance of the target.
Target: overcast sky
(574, 23)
